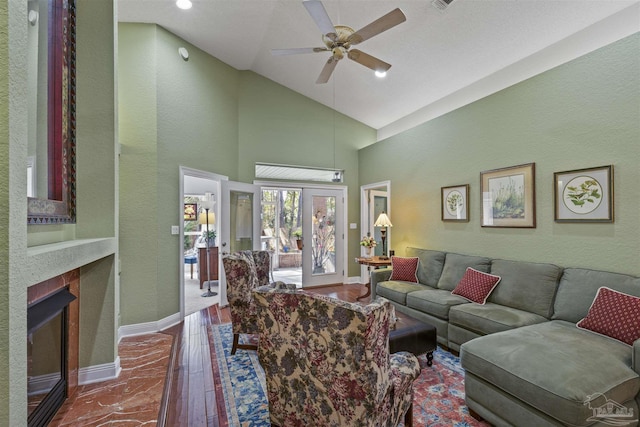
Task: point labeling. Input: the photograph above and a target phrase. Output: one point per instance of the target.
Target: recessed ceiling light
(381, 74)
(184, 4)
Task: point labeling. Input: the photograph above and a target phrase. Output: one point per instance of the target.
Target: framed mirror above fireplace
(51, 112)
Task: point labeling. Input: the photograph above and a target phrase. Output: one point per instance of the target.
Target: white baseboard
(148, 327)
(98, 373)
(353, 280)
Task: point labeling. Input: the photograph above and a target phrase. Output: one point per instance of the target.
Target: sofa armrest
(635, 356)
(377, 276)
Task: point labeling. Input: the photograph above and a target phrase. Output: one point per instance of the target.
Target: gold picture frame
(508, 197)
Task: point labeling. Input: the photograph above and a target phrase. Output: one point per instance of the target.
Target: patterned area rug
(438, 391)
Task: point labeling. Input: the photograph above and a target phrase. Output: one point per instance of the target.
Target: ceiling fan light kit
(338, 39)
(184, 4)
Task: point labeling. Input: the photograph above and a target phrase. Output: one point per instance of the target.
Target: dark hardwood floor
(191, 398)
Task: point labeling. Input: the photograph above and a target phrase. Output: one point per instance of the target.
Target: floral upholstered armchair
(327, 361)
(245, 271)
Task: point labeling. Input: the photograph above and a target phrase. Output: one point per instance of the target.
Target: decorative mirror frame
(60, 205)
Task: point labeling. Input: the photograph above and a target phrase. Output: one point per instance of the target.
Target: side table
(376, 263)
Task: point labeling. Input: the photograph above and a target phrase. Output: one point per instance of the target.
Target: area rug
(438, 391)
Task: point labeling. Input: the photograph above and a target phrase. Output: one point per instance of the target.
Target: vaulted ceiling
(436, 55)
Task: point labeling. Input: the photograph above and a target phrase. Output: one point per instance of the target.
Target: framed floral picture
(190, 211)
(455, 203)
(509, 197)
(584, 195)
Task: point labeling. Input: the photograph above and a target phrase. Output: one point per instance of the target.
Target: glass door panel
(322, 256)
(239, 223)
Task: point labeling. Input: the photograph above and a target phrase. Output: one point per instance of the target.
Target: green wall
(585, 113)
(4, 219)
(96, 199)
(278, 125)
(172, 113)
(204, 115)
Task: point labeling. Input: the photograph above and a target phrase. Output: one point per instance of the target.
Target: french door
(239, 223)
(323, 236)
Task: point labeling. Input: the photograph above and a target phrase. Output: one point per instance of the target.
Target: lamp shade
(383, 221)
(202, 218)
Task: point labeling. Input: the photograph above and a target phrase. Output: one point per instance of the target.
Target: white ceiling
(434, 55)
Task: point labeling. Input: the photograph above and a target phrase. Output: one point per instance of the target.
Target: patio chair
(327, 361)
(245, 271)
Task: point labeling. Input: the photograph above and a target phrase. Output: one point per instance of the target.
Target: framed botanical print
(584, 195)
(455, 203)
(508, 197)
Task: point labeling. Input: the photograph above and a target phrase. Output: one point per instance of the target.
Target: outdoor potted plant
(369, 243)
(298, 234)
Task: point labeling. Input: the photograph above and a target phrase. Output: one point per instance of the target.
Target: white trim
(602, 33)
(364, 216)
(148, 327)
(353, 280)
(99, 373)
(41, 384)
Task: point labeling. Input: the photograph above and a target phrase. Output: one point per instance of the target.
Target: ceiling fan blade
(384, 23)
(368, 61)
(321, 18)
(298, 50)
(328, 68)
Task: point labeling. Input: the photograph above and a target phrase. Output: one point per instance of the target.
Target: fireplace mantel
(55, 259)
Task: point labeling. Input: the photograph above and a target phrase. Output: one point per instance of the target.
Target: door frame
(365, 227)
(345, 215)
(197, 173)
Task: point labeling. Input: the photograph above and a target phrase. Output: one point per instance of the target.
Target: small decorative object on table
(369, 243)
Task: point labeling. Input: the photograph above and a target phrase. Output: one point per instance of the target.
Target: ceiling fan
(338, 39)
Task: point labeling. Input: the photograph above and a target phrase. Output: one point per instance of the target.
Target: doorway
(197, 276)
(374, 199)
(303, 227)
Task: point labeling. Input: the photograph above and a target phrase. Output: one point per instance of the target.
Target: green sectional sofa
(526, 362)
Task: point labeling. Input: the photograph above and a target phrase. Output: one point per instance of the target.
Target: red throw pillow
(615, 315)
(476, 286)
(404, 268)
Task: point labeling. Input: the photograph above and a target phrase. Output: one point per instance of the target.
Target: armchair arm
(635, 356)
(377, 276)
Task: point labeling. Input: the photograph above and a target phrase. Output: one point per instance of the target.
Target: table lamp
(207, 217)
(384, 222)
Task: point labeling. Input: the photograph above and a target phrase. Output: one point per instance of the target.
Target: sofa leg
(475, 415)
(408, 416)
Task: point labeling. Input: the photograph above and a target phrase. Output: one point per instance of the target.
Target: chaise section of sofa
(553, 373)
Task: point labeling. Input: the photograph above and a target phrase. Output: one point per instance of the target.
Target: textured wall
(582, 114)
(204, 115)
(278, 125)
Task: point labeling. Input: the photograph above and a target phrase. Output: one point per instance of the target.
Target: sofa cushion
(527, 286)
(430, 265)
(476, 285)
(615, 315)
(397, 291)
(455, 265)
(404, 268)
(490, 318)
(578, 288)
(435, 302)
(554, 367)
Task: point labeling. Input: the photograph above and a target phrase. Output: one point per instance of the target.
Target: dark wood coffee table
(414, 336)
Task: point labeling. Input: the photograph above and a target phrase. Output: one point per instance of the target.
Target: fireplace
(52, 346)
